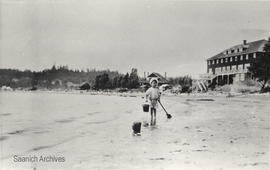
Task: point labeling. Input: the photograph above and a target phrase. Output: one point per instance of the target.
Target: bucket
(145, 107)
(136, 127)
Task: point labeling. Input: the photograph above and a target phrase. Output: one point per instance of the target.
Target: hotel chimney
(165, 75)
(245, 42)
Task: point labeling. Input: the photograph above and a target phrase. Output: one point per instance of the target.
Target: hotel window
(230, 59)
(226, 60)
(221, 60)
(235, 58)
(233, 67)
(217, 61)
(254, 55)
(246, 66)
(238, 50)
(242, 67)
(224, 69)
(246, 56)
(241, 57)
(218, 69)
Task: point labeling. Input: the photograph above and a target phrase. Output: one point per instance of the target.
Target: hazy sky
(151, 35)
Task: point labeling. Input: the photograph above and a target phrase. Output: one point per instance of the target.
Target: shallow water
(94, 132)
(64, 124)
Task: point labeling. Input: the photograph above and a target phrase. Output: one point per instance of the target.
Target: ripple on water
(92, 113)
(66, 120)
(157, 159)
(40, 148)
(5, 114)
(41, 132)
(16, 132)
(100, 122)
(2, 138)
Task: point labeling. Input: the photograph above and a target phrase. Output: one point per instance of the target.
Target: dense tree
(63, 77)
(134, 79)
(125, 81)
(102, 81)
(260, 68)
(130, 81)
(45, 78)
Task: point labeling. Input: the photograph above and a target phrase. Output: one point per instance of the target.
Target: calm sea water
(94, 132)
(63, 124)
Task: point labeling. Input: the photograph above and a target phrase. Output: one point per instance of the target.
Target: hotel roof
(251, 47)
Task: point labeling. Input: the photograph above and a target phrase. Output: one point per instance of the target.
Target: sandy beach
(94, 132)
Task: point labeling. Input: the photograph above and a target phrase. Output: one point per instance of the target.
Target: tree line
(61, 76)
(129, 81)
(46, 78)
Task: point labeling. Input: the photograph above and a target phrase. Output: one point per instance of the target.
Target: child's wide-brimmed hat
(153, 79)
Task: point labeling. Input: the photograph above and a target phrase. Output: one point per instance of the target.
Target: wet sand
(94, 132)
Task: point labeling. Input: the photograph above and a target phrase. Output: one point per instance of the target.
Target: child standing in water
(153, 94)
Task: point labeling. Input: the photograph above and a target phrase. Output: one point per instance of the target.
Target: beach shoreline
(131, 93)
(94, 132)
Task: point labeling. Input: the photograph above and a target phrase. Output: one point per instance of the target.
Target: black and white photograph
(134, 85)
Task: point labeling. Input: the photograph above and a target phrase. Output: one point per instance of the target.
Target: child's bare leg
(155, 111)
(152, 116)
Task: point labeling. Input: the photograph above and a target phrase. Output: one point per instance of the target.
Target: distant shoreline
(135, 94)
